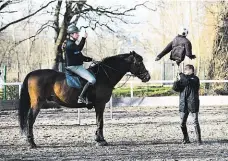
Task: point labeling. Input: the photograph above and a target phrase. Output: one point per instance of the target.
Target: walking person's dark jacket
(178, 41)
(74, 55)
(188, 86)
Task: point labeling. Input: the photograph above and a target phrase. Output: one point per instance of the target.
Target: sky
(153, 28)
(141, 16)
(161, 25)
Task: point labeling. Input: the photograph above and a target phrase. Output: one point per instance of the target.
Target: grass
(145, 91)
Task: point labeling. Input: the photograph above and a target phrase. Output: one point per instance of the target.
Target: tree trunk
(218, 68)
(61, 34)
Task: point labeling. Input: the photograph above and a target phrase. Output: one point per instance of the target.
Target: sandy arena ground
(134, 133)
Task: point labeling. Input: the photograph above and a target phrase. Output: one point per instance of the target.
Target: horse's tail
(24, 104)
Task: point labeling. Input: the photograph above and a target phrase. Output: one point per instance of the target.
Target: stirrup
(83, 100)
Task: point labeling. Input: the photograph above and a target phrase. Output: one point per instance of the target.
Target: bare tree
(92, 15)
(4, 4)
(96, 17)
(218, 67)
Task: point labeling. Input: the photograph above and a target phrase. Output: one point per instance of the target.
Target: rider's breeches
(82, 72)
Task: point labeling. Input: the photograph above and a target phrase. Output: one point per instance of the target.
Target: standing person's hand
(86, 35)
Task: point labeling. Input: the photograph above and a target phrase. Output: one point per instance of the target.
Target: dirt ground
(134, 133)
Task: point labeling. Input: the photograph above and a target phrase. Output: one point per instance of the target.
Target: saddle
(74, 80)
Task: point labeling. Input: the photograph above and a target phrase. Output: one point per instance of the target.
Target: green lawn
(1, 94)
(145, 91)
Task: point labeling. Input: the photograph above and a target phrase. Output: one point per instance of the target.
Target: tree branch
(6, 3)
(93, 15)
(37, 33)
(21, 19)
(102, 10)
(8, 11)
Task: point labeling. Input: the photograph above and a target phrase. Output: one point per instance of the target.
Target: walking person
(180, 47)
(188, 86)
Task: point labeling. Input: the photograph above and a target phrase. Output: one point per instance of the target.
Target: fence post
(132, 94)
(79, 119)
(110, 104)
(19, 90)
(4, 94)
(163, 71)
(174, 72)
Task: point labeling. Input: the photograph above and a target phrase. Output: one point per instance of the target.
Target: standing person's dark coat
(188, 86)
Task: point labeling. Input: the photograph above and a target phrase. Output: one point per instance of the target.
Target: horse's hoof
(33, 146)
(102, 143)
(89, 106)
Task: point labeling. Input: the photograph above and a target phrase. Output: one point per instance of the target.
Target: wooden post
(79, 119)
(111, 114)
(132, 94)
(4, 94)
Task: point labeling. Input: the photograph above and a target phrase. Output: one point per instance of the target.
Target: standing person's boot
(198, 134)
(185, 133)
(81, 98)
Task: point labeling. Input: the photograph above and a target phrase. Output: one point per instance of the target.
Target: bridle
(100, 64)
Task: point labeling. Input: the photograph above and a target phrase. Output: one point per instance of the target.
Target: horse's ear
(130, 58)
(133, 52)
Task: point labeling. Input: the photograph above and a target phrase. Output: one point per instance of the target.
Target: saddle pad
(73, 80)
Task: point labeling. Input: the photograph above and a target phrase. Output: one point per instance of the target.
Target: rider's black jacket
(74, 56)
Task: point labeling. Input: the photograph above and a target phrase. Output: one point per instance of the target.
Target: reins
(101, 64)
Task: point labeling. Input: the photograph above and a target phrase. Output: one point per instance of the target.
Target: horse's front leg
(99, 137)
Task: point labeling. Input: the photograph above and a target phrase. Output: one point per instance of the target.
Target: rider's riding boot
(185, 133)
(81, 98)
(198, 134)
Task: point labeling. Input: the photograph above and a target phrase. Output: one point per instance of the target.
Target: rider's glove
(88, 59)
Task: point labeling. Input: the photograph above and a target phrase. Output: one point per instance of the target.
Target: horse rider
(75, 59)
(179, 47)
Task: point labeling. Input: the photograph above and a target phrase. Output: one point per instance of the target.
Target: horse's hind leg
(32, 114)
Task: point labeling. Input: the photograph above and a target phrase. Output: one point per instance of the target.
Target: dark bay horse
(39, 86)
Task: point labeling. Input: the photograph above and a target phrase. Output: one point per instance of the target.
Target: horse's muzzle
(145, 77)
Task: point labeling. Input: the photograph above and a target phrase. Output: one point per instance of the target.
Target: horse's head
(137, 67)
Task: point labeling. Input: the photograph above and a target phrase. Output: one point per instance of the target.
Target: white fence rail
(19, 84)
(154, 101)
(132, 83)
(129, 82)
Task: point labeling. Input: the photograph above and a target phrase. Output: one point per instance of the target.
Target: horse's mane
(110, 58)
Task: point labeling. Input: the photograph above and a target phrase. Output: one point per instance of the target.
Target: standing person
(75, 59)
(179, 47)
(188, 86)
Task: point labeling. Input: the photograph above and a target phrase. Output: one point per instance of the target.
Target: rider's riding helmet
(184, 31)
(72, 29)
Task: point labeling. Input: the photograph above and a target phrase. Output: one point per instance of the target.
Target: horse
(44, 85)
